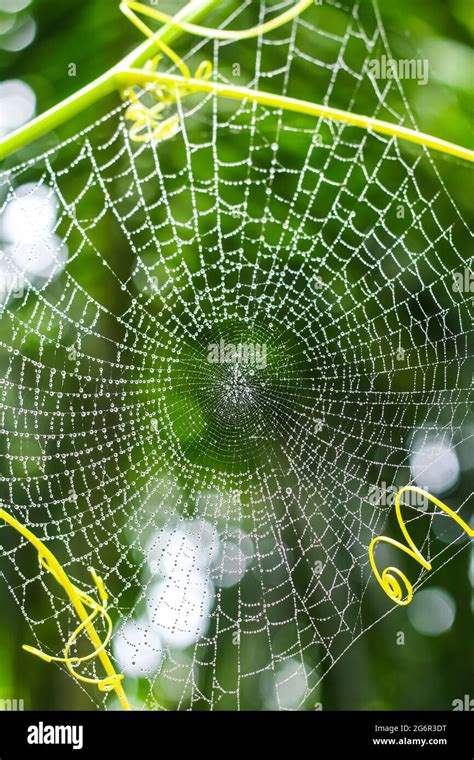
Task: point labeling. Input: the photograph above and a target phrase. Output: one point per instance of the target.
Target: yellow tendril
(149, 122)
(392, 578)
(128, 7)
(81, 602)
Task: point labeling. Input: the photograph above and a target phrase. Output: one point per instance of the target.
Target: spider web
(226, 503)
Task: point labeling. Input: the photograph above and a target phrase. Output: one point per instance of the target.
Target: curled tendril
(392, 587)
(97, 608)
(87, 608)
(149, 122)
(392, 579)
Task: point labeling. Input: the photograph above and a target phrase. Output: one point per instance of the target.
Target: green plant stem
(137, 77)
(102, 86)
